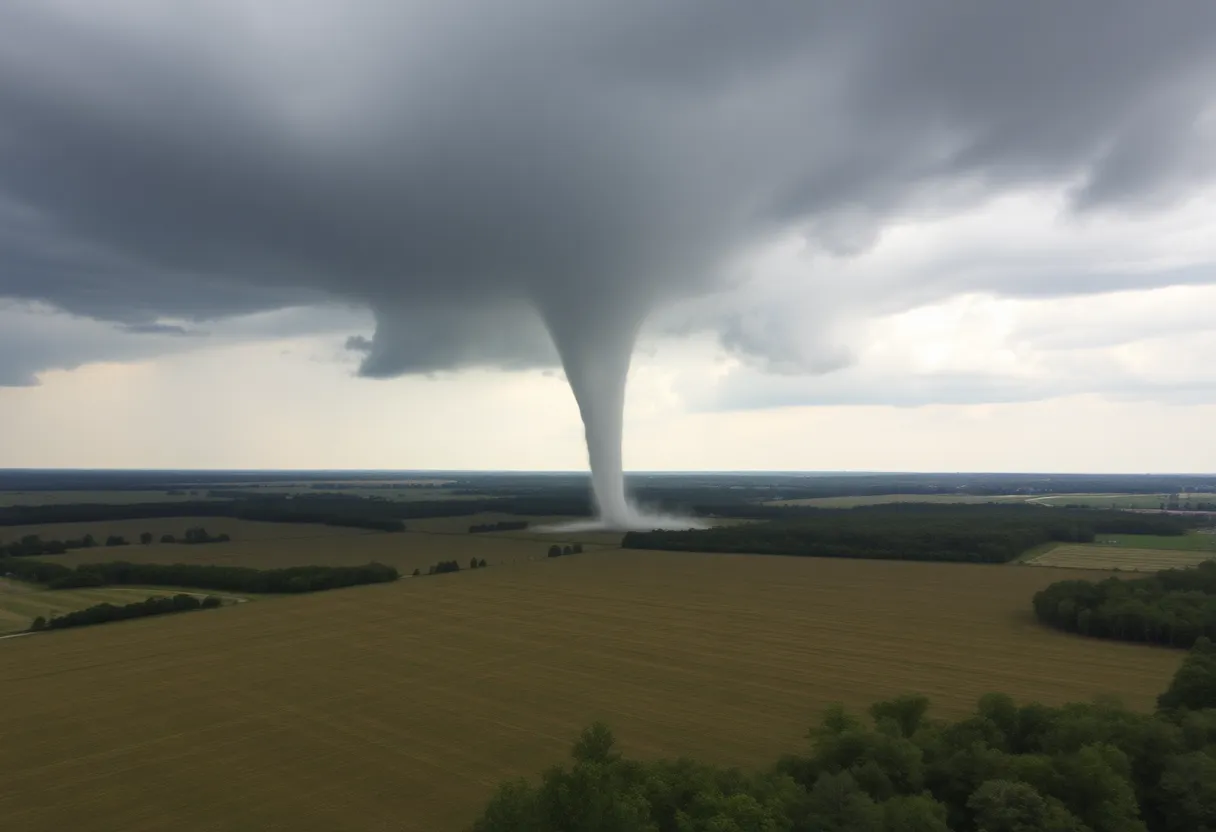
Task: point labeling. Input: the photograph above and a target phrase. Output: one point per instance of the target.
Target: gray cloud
(445, 164)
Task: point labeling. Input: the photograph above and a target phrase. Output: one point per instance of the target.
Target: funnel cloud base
(634, 520)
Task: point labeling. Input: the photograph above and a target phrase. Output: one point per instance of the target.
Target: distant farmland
(883, 499)
(1129, 552)
(1094, 556)
(400, 706)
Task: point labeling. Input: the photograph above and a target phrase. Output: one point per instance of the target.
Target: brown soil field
(400, 706)
(1090, 556)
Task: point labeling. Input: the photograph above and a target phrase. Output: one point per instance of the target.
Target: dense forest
(985, 533)
(232, 578)
(1174, 606)
(103, 613)
(1006, 768)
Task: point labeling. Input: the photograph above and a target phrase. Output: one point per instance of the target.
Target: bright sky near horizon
(864, 242)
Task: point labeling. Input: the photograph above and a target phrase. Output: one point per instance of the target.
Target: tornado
(595, 336)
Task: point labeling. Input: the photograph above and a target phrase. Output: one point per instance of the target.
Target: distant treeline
(1174, 606)
(989, 533)
(232, 578)
(336, 511)
(103, 613)
(556, 551)
(32, 545)
(500, 526)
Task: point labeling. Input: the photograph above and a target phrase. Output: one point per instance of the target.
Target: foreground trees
(1006, 768)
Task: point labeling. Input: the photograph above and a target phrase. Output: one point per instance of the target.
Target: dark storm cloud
(446, 163)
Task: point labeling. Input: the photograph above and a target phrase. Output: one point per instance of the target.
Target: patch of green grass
(1186, 542)
(21, 603)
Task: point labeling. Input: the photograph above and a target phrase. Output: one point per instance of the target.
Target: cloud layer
(446, 164)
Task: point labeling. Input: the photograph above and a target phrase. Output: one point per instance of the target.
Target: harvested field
(1097, 556)
(400, 706)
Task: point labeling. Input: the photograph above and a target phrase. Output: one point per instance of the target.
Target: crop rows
(399, 706)
(1089, 556)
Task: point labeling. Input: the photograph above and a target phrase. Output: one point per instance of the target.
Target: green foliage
(1194, 685)
(102, 613)
(555, 551)
(198, 534)
(986, 533)
(1174, 606)
(232, 578)
(500, 526)
(145, 538)
(1082, 767)
(443, 567)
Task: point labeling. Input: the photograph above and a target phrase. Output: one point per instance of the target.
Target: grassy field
(883, 499)
(1195, 542)
(400, 706)
(1127, 552)
(1094, 556)
(21, 603)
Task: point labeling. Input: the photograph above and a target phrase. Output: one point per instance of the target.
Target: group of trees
(445, 566)
(232, 578)
(102, 613)
(31, 545)
(556, 551)
(988, 533)
(1005, 768)
(1174, 606)
(500, 526)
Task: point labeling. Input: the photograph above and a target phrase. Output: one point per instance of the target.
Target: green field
(1197, 542)
(1127, 552)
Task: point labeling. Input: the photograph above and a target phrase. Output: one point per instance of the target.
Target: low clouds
(445, 165)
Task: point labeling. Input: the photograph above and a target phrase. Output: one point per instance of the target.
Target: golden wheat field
(1091, 556)
(400, 706)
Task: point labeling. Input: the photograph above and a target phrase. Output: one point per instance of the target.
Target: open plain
(400, 706)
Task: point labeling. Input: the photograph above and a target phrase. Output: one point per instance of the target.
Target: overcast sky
(910, 235)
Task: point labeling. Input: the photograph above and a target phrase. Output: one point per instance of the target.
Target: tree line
(343, 511)
(989, 533)
(500, 526)
(556, 551)
(103, 613)
(1093, 767)
(1174, 607)
(232, 578)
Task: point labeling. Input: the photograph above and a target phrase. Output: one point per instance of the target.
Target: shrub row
(102, 613)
